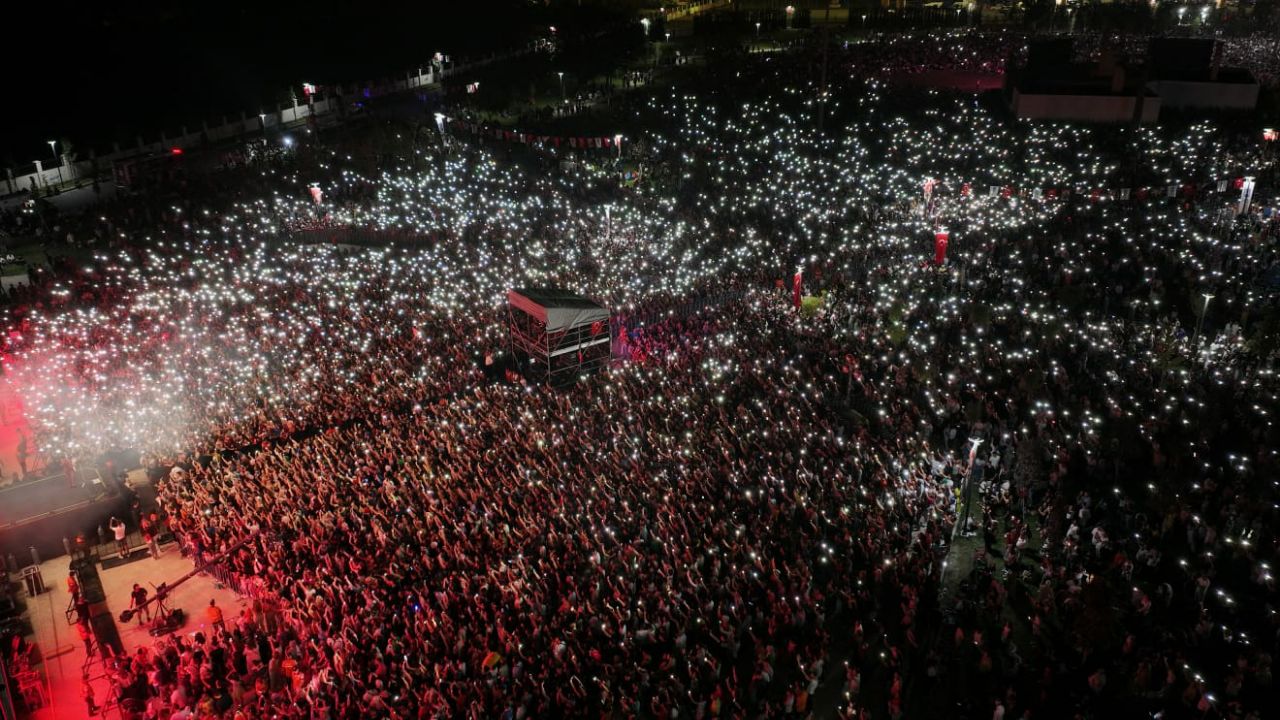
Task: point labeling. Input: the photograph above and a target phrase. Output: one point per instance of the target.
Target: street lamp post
(1182, 11)
(757, 30)
(1200, 325)
(53, 147)
(645, 23)
(966, 513)
(1246, 195)
(562, 97)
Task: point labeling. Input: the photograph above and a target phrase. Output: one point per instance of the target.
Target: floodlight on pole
(53, 148)
(1200, 324)
(973, 451)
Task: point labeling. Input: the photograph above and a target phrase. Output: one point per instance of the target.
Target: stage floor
(38, 497)
(61, 646)
(13, 427)
(45, 489)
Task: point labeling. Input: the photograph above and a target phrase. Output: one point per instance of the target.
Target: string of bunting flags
(1184, 190)
(1096, 194)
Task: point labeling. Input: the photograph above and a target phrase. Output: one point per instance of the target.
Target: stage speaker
(86, 573)
(101, 622)
(106, 634)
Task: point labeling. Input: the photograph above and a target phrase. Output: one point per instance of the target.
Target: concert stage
(41, 513)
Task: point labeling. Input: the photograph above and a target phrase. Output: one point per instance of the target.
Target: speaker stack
(101, 622)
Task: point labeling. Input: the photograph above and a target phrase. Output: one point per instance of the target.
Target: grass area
(936, 697)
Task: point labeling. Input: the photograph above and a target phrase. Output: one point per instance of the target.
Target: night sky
(111, 70)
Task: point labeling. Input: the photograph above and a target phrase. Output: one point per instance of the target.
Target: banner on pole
(940, 240)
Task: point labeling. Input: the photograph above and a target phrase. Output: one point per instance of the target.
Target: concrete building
(1084, 93)
(1175, 75)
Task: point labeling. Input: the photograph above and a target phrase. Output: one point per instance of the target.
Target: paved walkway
(69, 201)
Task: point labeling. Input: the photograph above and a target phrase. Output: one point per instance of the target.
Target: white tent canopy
(558, 310)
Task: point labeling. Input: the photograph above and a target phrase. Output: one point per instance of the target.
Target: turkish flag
(940, 239)
(795, 290)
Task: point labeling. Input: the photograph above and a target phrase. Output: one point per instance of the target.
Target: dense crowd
(755, 511)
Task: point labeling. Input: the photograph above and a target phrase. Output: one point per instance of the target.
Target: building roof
(557, 309)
